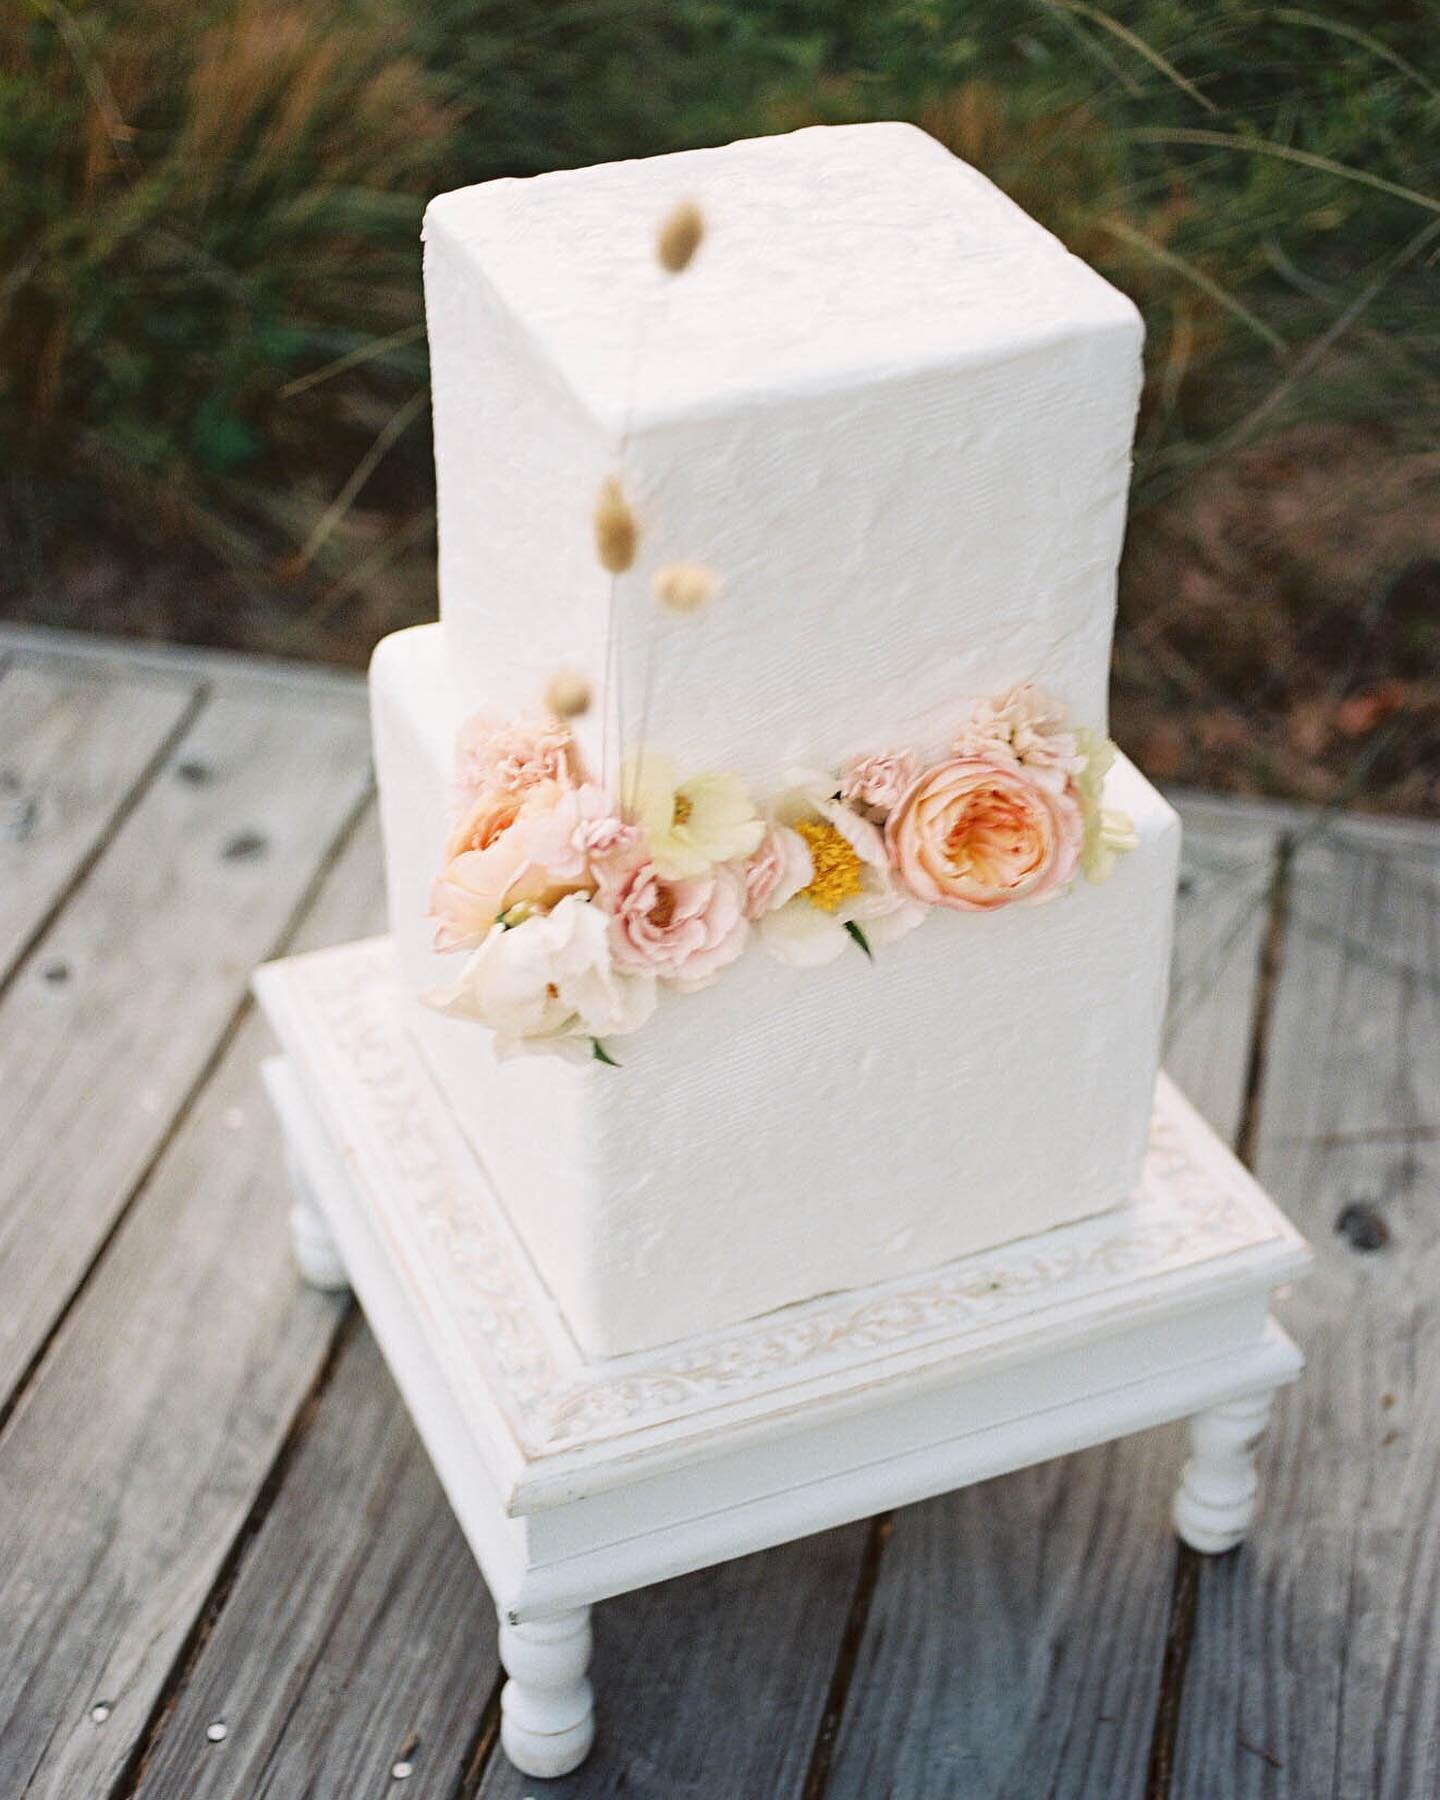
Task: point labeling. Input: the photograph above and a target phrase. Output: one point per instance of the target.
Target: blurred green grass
(212, 372)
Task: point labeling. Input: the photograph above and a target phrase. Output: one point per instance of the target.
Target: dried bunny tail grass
(684, 587)
(680, 237)
(616, 533)
(568, 694)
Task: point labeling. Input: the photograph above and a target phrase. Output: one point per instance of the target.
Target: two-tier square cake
(774, 915)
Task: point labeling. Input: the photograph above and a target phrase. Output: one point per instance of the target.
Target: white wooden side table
(575, 1479)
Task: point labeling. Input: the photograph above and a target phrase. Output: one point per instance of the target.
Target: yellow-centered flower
(692, 824)
(839, 871)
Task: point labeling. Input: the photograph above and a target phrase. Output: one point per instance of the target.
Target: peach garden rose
(979, 832)
(495, 858)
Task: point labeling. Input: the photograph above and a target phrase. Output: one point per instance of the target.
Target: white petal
(455, 1001)
(863, 838)
(802, 936)
(895, 922)
(798, 869)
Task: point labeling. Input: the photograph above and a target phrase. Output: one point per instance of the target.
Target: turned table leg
(316, 1253)
(1215, 1505)
(547, 1719)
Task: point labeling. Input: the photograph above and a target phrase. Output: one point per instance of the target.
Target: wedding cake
(774, 914)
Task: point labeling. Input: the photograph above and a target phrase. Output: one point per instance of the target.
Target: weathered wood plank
(73, 748)
(1013, 1643)
(713, 1684)
(113, 1017)
(137, 1451)
(359, 1626)
(358, 1633)
(1015, 1635)
(143, 657)
(1315, 1669)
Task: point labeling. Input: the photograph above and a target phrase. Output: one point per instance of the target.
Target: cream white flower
(550, 984)
(693, 824)
(850, 880)
(1109, 833)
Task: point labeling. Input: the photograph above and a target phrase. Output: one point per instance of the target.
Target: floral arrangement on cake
(579, 904)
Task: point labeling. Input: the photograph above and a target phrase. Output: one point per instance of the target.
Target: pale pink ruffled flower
(776, 872)
(873, 784)
(511, 755)
(612, 846)
(1025, 726)
(682, 931)
(980, 832)
(557, 827)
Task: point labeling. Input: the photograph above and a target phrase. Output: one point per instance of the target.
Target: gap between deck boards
(106, 829)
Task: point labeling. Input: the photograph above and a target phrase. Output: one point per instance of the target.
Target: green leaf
(603, 1055)
(860, 938)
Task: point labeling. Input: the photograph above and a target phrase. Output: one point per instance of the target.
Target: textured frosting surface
(833, 254)
(888, 410)
(788, 1132)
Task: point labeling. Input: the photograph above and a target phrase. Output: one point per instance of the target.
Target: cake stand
(575, 1479)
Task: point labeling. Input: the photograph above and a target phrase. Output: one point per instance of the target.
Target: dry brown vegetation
(213, 391)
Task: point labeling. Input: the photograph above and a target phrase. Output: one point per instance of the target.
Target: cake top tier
(882, 413)
(836, 255)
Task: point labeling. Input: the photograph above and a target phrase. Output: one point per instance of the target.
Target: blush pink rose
(557, 826)
(777, 871)
(683, 931)
(613, 846)
(873, 785)
(979, 832)
(511, 755)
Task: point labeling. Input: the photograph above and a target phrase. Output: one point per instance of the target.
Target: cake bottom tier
(791, 1132)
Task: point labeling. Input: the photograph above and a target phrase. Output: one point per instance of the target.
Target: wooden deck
(225, 1567)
